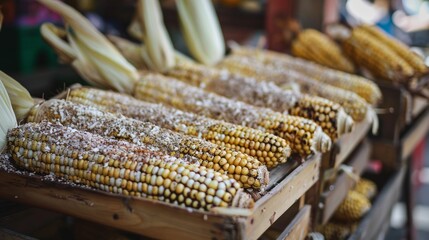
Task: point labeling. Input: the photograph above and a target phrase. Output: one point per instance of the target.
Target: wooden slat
(336, 194)
(156, 219)
(415, 135)
(345, 145)
(269, 208)
(394, 154)
(374, 222)
(298, 228)
(419, 105)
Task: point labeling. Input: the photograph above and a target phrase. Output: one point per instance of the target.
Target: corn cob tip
(263, 177)
(374, 119)
(242, 200)
(345, 123)
(322, 142)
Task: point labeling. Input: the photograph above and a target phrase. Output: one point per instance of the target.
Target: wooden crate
(376, 222)
(161, 220)
(335, 193)
(298, 223)
(403, 109)
(392, 154)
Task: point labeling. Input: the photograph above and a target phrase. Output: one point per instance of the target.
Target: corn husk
(7, 118)
(20, 98)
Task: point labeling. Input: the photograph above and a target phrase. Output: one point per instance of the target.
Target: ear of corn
(303, 135)
(249, 171)
(415, 61)
(366, 187)
(252, 67)
(359, 85)
(246, 140)
(158, 51)
(120, 167)
(336, 230)
(354, 206)
(201, 30)
(7, 117)
(335, 122)
(377, 57)
(317, 47)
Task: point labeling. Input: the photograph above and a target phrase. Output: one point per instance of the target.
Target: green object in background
(23, 50)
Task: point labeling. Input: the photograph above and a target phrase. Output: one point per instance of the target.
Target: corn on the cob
(336, 230)
(120, 167)
(246, 140)
(359, 85)
(334, 122)
(366, 188)
(245, 169)
(377, 57)
(249, 66)
(399, 48)
(354, 206)
(317, 47)
(303, 135)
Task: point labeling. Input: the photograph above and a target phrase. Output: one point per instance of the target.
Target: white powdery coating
(156, 88)
(308, 68)
(261, 94)
(107, 124)
(284, 76)
(224, 83)
(85, 143)
(158, 114)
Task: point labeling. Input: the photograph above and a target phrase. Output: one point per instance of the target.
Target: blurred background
(28, 58)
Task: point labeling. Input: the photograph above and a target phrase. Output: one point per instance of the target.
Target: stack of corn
(202, 76)
(267, 148)
(346, 218)
(363, 87)
(115, 166)
(245, 169)
(317, 47)
(329, 115)
(303, 135)
(103, 66)
(253, 67)
(383, 56)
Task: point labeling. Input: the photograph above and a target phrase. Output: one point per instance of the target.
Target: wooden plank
(154, 219)
(414, 135)
(269, 208)
(349, 142)
(299, 226)
(345, 145)
(419, 105)
(157, 219)
(391, 122)
(386, 152)
(373, 222)
(336, 193)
